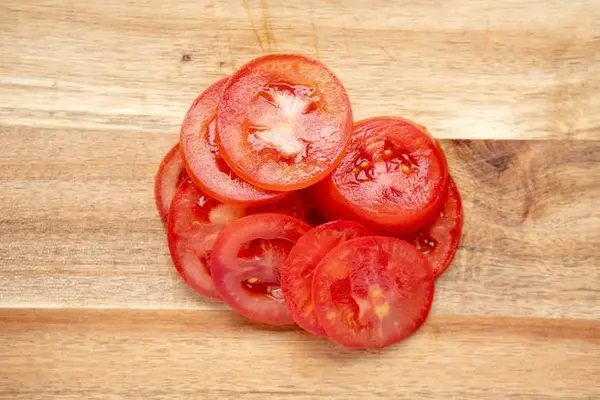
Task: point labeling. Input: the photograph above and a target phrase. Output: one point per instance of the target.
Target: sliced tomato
(297, 272)
(372, 291)
(170, 174)
(202, 158)
(246, 259)
(439, 241)
(284, 122)
(393, 177)
(195, 220)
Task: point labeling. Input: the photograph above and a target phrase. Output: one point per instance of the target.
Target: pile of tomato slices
(280, 205)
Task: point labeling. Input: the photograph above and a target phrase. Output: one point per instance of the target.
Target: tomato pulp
(246, 259)
(372, 291)
(284, 122)
(393, 177)
(203, 160)
(170, 174)
(297, 272)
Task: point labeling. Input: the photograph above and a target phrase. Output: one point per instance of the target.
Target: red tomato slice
(202, 158)
(297, 272)
(439, 241)
(195, 220)
(372, 291)
(170, 174)
(245, 261)
(284, 122)
(392, 178)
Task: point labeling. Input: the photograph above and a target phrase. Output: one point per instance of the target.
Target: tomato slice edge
(441, 265)
(200, 280)
(164, 177)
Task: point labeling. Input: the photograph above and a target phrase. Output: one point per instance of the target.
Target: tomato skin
(231, 271)
(195, 220)
(439, 241)
(395, 195)
(202, 158)
(372, 292)
(297, 272)
(325, 131)
(169, 176)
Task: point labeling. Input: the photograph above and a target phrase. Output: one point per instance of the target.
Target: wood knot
(186, 58)
(504, 174)
(499, 153)
(496, 154)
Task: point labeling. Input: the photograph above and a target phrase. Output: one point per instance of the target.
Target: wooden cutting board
(92, 95)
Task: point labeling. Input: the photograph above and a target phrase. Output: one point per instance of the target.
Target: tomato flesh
(284, 122)
(246, 259)
(195, 220)
(439, 241)
(203, 160)
(297, 272)
(372, 291)
(393, 177)
(169, 176)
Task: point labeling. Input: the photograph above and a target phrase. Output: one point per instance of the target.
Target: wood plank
(79, 228)
(469, 69)
(92, 354)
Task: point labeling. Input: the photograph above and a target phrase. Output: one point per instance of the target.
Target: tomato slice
(203, 160)
(372, 291)
(297, 272)
(393, 177)
(246, 259)
(284, 122)
(195, 220)
(170, 174)
(439, 241)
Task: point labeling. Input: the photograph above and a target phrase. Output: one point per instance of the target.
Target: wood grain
(471, 69)
(92, 95)
(211, 355)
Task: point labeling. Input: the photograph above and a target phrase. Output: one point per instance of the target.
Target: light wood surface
(91, 97)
